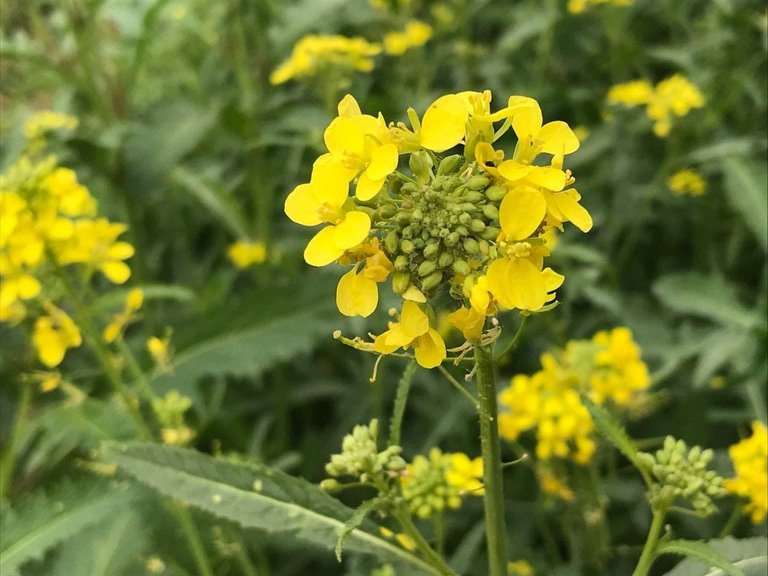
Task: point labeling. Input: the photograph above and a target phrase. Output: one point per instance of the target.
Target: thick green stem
(9, 458)
(495, 531)
(649, 550)
(422, 545)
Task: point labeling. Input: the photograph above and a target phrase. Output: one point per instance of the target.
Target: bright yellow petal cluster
(464, 473)
(314, 54)
(54, 333)
(673, 97)
(95, 244)
(415, 34)
(159, 349)
(413, 331)
(133, 303)
(608, 368)
(750, 461)
(687, 181)
(43, 122)
(579, 6)
(520, 568)
(245, 253)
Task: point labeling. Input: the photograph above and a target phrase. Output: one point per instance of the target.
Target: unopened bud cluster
(360, 457)
(680, 472)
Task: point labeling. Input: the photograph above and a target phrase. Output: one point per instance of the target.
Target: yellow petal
(430, 349)
(349, 107)
(469, 321)
(550, 178)
(116, 272)
(526, 121)
(521, 212)
(568, 204)
(352, 230)
(367, 188)
(28, 287)
(413, 321)
(356, 295)
(526, 286)
(383, 162)
(344, 136)
(513, 170)
(444, 123)
(120, 251)
(381, 346)
(301, 206)
(134, 300)
(322, 249)
(330, 180)
(558, 138)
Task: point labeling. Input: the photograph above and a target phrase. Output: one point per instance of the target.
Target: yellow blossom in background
(159, 350)
(415, 34)
(40, 123)
(49, 381)
(155, 565)
(553, 485)
(95, 243)
(750, 461)
(579, 6)
(464, 473)
(245, 253)
(314, 53)
(119, 321)
(54, 333)
(618, 372)
(635, 93)
(520, 568)
(687, 181)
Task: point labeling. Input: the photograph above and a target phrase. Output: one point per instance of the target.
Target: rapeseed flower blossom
(607, 368)
(520, 568)
(473, 223)
(313, 54)
(750, 461)
(53, 335)
(414, 35)
(673, 97)
(41, 123)
(687, 181)
(246, 253)
(579, 6)
(115, 328)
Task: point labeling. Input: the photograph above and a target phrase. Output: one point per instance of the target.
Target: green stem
(732, 523)
(455, 383)
(422, 545)
(515, 339)
(184, 519)
(440, 533)
(493, 499)
(649, 550)
(401, 399)
(9, 459)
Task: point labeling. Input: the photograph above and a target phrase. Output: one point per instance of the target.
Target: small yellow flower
(245, 253)
(415, 34)
(687, 182)
(520, 568)
(634, 93)
(405, 541)
(750, 461)
(155, 565)
(95, 243)
(413, 331)
(53, 335)
(45, 121)
(133, 303)
(469, 321)
(158, 348)
(465, 474)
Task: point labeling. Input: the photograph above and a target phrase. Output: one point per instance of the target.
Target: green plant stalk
(404, 518)
(493, 499)
(192, 536)
(401, 399)
(649, 550)
(9, 459)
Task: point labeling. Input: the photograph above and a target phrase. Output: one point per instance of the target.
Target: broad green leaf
(256, 496)
(612, 430)
(701, 551)
(703, 296)
(217, 201)
(747, 193)
(750, 555)
(717, 350)
(42, 521)
(721, 149)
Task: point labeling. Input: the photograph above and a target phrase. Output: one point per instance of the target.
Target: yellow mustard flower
(49, 381)
(40, 123)
(687, 181)
(314, 53)
(469, 321)
(415, 34)
(74, 199)
(53, 335)
(553, 485)
(634, 93)
(133, 303)
(94, 242)
(579, 6)
(464, 473)
(158, 349)
(520, 568)
(750, 461)
(245, 253)
(413, 331)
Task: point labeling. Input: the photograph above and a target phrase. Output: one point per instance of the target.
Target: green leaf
(701, 551)
(703, 296)
(217, 201)
(745, 186)
(750, 555)
(256, 496)
(43, 521)
(612, 431)
(354, 522)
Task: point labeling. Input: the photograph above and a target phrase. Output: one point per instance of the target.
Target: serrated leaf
(747, 194)
(701, 551)
(750, 555)
(354, 522)
(42, 521)
(255, 496)
(703, 296)
(612, 430)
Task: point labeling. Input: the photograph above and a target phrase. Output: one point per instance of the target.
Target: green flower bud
(490, 233)
(426, 268)
(444, 232)
(478, 182)
(390, 242)
(491, 212)
(431, 249)
(407, 246)
(386, 211)
(449, 164)
(408, 188)
(469, 207)
(461, 230)
(471, 245)
(477, 225)
(421, 165)
(400, 282)
(329, 485)
(445, 259)
(401, 262)
(432, 281)
(465, 218)
(452, 239)
(485, 247)
(419, 243)
(474, 197)
(417, 214)
(495, 193)
(407, 232)
(461, 267)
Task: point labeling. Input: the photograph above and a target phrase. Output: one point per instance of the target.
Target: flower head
(54, 333)
(750, 460)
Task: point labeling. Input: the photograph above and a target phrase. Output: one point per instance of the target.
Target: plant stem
(455, 383)
(515, 339)
(493, 499)
(401, 399)
(9, 459)
(649, 550)
(732, 523)
(422, 545)
(184, 519)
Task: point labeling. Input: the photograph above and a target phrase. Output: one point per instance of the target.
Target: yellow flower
(73, 198)
(413, 331)
(519, 568)
(49, 381)
(552, 484)
(53, 335)
(245, 253)
(158, 348)
(312, 54)
(95, 243)
(119, 321)
(618, 372)
(687, 182)
(469, 321)
(465, 474)
(42, 122)
(634, 93)
(17, 286)
(750, 461)
(356, 295)
(415, 34)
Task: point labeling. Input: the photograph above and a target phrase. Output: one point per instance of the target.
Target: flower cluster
(579, 6)
(687, 182)
(607, 368)
(170, 410)
(41, 123)
(682, 473)
(246, 253)
(361, 458)
(415, 34)
(674, 96)
(314, 54)
(473, 224)
(431, 484)
(750, 460)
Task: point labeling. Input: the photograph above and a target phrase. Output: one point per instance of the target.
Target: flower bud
(431, 249)
(432, 281)
(491, 212)
(452, 239)
(400, 282)
(426, 268)
(471, 245)
(449, 164)
(477, 225)
(407, 246)
(465, 218)
(390, 242)
(401, 262)
(474, 197)
(478, 182)
(329, 485)
(495, 193)
(461, 267)
(445, 259)
(490, 233)
(420, 164)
